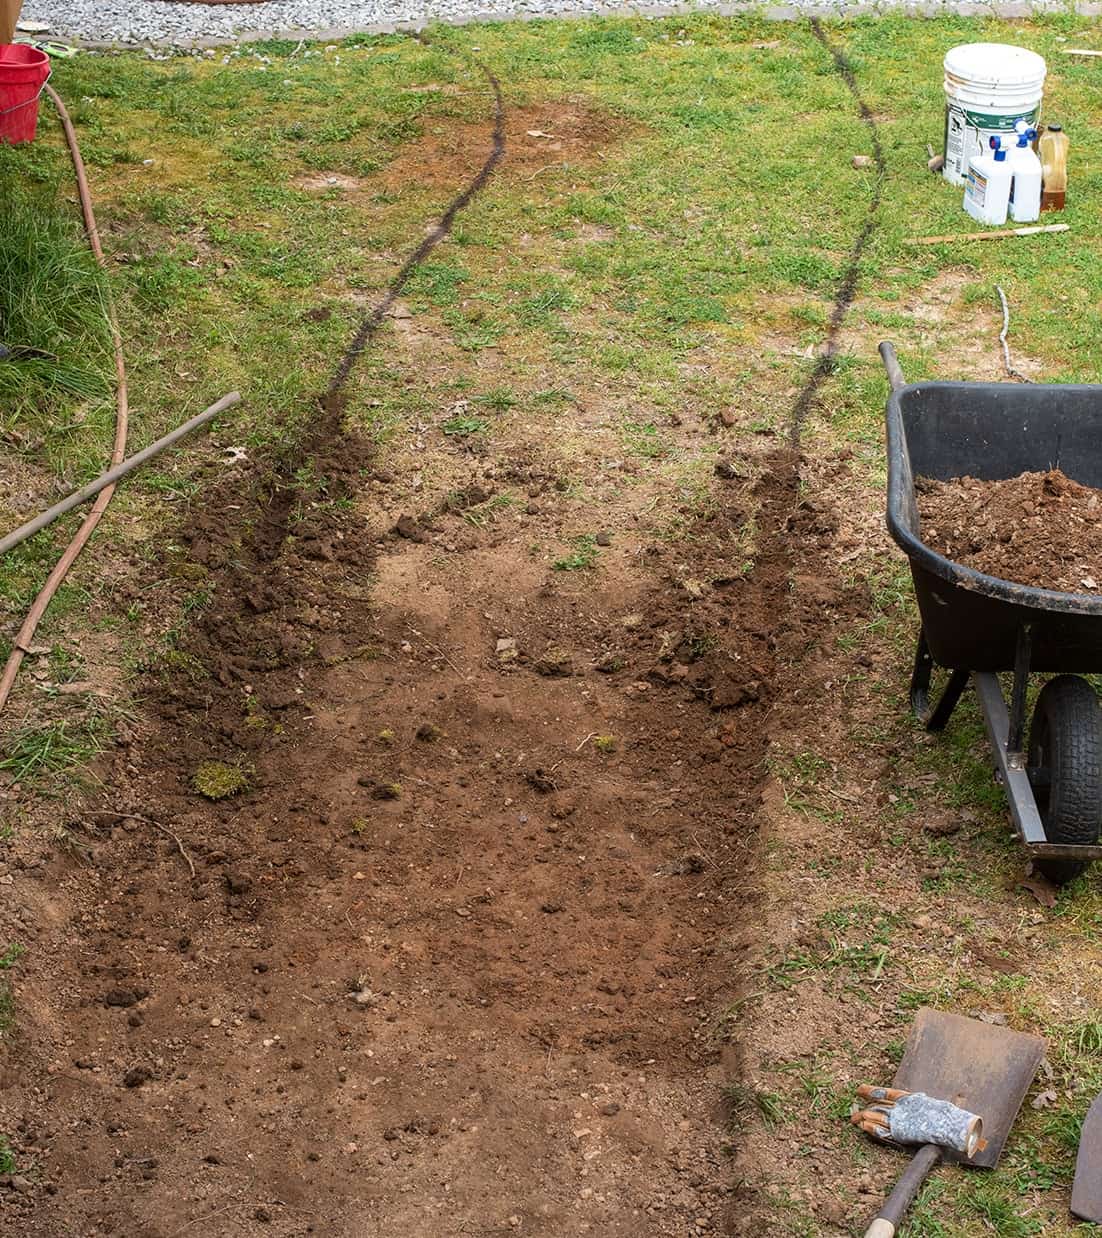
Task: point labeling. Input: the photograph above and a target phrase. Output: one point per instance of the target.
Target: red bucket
(23, 73)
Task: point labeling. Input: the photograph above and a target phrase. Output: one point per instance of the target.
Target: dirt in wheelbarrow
(1038, 529)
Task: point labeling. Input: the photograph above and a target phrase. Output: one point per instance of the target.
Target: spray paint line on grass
(440, 230)
(847, 288)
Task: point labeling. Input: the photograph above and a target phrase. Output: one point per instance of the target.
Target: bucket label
(967, 133)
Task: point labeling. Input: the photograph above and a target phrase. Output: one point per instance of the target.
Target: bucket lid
(995, 64)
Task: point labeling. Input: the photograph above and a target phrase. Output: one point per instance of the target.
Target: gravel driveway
(137, 21)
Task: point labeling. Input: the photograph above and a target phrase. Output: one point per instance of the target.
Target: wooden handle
(880, 1229)
(896, 1205)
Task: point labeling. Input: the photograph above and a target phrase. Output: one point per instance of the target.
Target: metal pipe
(112, 475)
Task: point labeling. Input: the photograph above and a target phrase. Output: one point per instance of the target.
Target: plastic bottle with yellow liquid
(1052, 150)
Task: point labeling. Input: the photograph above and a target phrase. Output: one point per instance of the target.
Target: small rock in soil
(730, 695)
(539, 781)
(834, 1213)
(123, 998)
(408, 527)
(554, 662)
(136, 1076)
(683, 866)
(603, 539)
(942, 824)
(726, 470)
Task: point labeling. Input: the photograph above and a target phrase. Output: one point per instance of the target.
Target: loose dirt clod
(1037, 529)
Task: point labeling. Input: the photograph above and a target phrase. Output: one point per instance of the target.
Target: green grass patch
(52, 317)
(464, 425)
(581, 558)
(33, 753)
(11, 955)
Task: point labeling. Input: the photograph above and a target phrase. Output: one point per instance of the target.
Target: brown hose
(118, 452)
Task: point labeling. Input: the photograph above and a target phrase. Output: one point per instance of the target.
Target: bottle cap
(1056, 128)
(995, 142)
(1000, 156)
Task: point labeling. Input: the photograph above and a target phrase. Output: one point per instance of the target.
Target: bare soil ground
(458, 959)
(453, 963)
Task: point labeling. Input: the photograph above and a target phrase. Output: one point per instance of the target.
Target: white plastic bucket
(988, 86)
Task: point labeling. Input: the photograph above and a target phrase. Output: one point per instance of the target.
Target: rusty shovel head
(983, 1068)
(1086, 1191)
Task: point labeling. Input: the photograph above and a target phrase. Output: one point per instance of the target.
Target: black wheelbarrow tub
(993, 431)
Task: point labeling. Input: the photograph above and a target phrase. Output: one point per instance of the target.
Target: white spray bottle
(1025, 168)
(987, 191)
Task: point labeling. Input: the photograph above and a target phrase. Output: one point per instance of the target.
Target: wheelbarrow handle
(891, 364)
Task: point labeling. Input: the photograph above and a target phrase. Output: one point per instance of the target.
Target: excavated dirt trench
(459, 961)
(449, 967)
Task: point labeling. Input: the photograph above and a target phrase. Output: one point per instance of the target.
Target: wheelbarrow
(977, 626)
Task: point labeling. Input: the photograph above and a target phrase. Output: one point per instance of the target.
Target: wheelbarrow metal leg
(1022, 655)
(934, 718)
(1015, 780)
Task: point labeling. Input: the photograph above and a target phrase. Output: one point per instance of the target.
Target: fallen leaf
(995, 1017)
(942, 824)
(538, 133)
(1008, 966)
(1041, 888)
(1042, 1100)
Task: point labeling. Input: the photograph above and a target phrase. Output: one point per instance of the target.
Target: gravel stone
(129, 23)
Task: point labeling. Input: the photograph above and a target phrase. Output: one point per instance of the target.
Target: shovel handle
(896, 1205)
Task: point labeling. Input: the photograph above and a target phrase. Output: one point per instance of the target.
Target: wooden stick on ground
(1001, 235)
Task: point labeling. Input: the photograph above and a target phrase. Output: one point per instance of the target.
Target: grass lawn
(665, 238)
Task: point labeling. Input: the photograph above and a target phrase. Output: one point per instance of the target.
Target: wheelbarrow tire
(1065, 764)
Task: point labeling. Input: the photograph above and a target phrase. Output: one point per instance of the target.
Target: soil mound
(1038, 529)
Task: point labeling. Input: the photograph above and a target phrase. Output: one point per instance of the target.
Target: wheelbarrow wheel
(1065, 768)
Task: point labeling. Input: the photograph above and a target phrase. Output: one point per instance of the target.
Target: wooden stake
(1001, 235)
